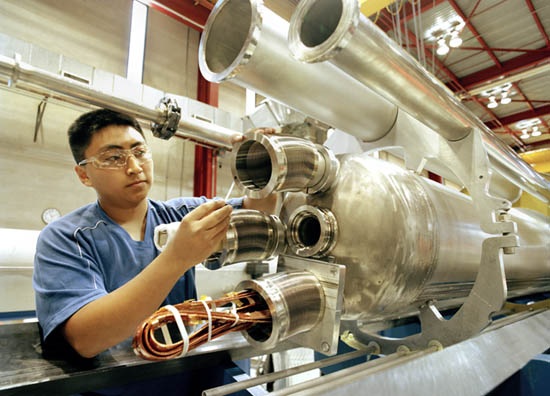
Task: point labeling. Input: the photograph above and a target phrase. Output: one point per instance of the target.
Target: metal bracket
(468, 160)
(168, 123)
(324, 336)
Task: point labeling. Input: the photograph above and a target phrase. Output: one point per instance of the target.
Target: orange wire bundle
(232, 312)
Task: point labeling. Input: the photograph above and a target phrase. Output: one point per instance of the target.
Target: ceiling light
(492, 103)
(536, 133)
(506, 100)
(455, 41)
(525, 134)
(442, 48)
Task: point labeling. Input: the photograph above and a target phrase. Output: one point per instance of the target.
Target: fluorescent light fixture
(136, 51)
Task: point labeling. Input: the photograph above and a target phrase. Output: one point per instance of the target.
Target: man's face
(122, 188)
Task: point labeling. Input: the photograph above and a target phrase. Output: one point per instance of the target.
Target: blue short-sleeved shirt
(86, 255)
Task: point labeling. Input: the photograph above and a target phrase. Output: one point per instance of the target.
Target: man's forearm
(111, 319)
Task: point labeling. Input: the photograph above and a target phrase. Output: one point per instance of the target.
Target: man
(97, 273)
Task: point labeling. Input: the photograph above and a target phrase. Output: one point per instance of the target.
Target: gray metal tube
(336, 30)
(246, 42)
(23, 75)
(262, 379)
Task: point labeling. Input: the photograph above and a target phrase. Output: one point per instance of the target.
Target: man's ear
(83, 175)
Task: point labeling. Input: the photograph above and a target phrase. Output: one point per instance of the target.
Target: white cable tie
(207, 308)
(181, 327)
(234, 312)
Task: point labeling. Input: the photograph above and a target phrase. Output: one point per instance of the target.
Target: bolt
(325, 347)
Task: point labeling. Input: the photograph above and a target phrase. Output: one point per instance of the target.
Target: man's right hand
(199, 235)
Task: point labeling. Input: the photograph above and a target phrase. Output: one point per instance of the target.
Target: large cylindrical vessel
(405, 239)
(247, 43)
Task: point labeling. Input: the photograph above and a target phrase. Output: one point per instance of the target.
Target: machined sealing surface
(264, 164)
(296, 301)
(252, 236)
(312, 231)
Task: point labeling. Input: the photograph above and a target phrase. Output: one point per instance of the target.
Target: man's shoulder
(81, 218)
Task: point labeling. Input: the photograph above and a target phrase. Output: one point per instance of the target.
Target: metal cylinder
(267, 163)
(295, 300)
(246, 42)
(26, 77)
(252, 236)
(335, 30)
(405, 239)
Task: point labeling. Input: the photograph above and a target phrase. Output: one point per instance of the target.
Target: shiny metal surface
(296, 301)
(252, 236)
(264, 164)
(245, 42)
(472, 367)
(337, 31)
(26, 77)
(25, 371)
(265, 378)
(324, 336)
(402, 237)
(313, 232)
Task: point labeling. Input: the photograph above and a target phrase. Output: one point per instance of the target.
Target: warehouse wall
(39, 175)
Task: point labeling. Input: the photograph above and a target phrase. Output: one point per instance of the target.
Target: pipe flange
(312, 231)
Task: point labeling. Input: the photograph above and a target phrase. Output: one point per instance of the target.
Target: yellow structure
(540, 161)
(371, 7)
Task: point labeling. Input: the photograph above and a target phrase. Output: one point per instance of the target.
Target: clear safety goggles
(118, 158)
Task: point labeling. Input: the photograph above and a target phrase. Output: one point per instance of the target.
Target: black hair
(84, 127)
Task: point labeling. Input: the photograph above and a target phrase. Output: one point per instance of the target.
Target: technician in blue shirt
(97, 272)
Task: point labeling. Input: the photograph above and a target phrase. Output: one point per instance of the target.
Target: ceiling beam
(537, 21)
(524, 115)
(192, 13)
(509, 66)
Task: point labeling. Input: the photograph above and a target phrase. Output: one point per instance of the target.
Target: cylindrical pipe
(405, 239)
(296, 301)
(246, 42)
(336, 30)
(23, 75)
(265, 378)
(264, 164)
(252, 236)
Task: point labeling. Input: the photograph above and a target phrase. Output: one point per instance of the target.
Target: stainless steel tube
(335, 30)
(25, 76)
(247, 43)
(262, 379)
(296, 301)
(405, 239)
(267, 163)
(252, 236)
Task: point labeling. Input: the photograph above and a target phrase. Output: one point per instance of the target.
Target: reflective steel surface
(296, 301)
(247, 43)
(404, 238)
